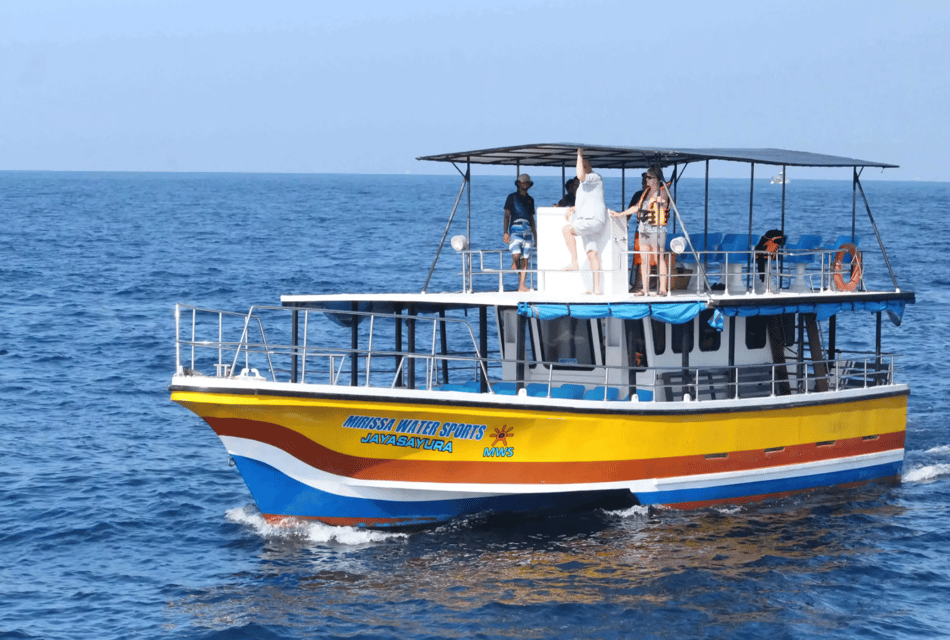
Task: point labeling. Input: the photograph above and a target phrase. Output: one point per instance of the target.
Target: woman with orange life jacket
(653, 213)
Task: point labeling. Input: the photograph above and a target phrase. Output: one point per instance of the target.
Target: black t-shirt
(567, 200)
(521, 208)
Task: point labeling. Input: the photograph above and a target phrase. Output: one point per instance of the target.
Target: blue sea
(121, 517)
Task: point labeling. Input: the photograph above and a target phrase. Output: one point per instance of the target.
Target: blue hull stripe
(771, 487)
(278, 494)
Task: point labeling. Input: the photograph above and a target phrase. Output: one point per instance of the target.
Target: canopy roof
(565, 154)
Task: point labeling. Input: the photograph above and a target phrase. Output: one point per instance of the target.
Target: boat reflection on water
(652, 562)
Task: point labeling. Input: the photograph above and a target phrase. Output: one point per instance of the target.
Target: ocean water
(121, 517)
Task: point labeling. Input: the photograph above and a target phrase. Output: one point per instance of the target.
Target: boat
(780, 178)
(412, 409)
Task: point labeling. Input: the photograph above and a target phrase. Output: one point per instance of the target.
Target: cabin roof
(432, 302)
(608, 157)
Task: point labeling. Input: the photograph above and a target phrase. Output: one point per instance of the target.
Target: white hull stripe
(425, 491)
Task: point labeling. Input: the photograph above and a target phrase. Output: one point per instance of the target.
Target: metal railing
(217, 341)
(321, 357)
(731, 269)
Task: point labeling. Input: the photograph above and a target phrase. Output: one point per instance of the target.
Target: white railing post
(177, 339)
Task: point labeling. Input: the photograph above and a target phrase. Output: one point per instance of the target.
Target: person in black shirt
(571, 188)
(520, 232)
(631, 209)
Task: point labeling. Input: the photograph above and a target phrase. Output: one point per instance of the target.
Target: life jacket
(657, 214)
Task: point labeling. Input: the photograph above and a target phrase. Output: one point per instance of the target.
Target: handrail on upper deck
(819, 273)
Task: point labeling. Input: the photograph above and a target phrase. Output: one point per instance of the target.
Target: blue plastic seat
(597, 393)
(467, 387)
(700, 243)
(571, 391)
(807, 242)
(505, 388)
(733, 243)
(844, 239)
(537, 389)
(687, 259)
(733, 253)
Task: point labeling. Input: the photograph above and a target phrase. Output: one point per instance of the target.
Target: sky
(307, 86)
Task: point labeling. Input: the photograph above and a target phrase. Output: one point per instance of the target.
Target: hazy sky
(366, 87)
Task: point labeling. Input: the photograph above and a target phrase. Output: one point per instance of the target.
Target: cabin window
(756, 332)
(682, 334)
(710, 338)
(636, 344)
(567, 341)
(508, 333)
(509, 324)
(659, 336)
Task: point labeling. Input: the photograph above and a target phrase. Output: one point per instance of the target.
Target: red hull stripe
(512, 472)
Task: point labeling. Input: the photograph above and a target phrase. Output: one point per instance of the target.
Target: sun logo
(502, 435)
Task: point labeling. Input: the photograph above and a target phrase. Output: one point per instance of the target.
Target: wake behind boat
(385, 410)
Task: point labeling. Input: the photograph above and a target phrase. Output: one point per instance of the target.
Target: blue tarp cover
(674, 313)
(678, 313)
(823, 311)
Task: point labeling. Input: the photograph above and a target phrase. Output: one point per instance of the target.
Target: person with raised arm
(586, 218)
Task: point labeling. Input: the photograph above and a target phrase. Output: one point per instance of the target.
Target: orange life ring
(852, 284)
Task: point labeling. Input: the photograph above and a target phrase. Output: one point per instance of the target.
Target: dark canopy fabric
(562, 154)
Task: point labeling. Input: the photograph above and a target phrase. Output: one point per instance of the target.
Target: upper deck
(716, 267)
(698, 340)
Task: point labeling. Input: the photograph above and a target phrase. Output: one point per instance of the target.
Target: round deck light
(460, 243)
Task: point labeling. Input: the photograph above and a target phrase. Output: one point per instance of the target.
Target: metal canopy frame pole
(706, 222)
(781, 255)
(748, 256)
(466, 177)
(623, 186)
(468, 225)
(877, 233)
(854, 203)
(677, 174)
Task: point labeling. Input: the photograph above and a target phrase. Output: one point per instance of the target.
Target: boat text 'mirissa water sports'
(406, 409)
